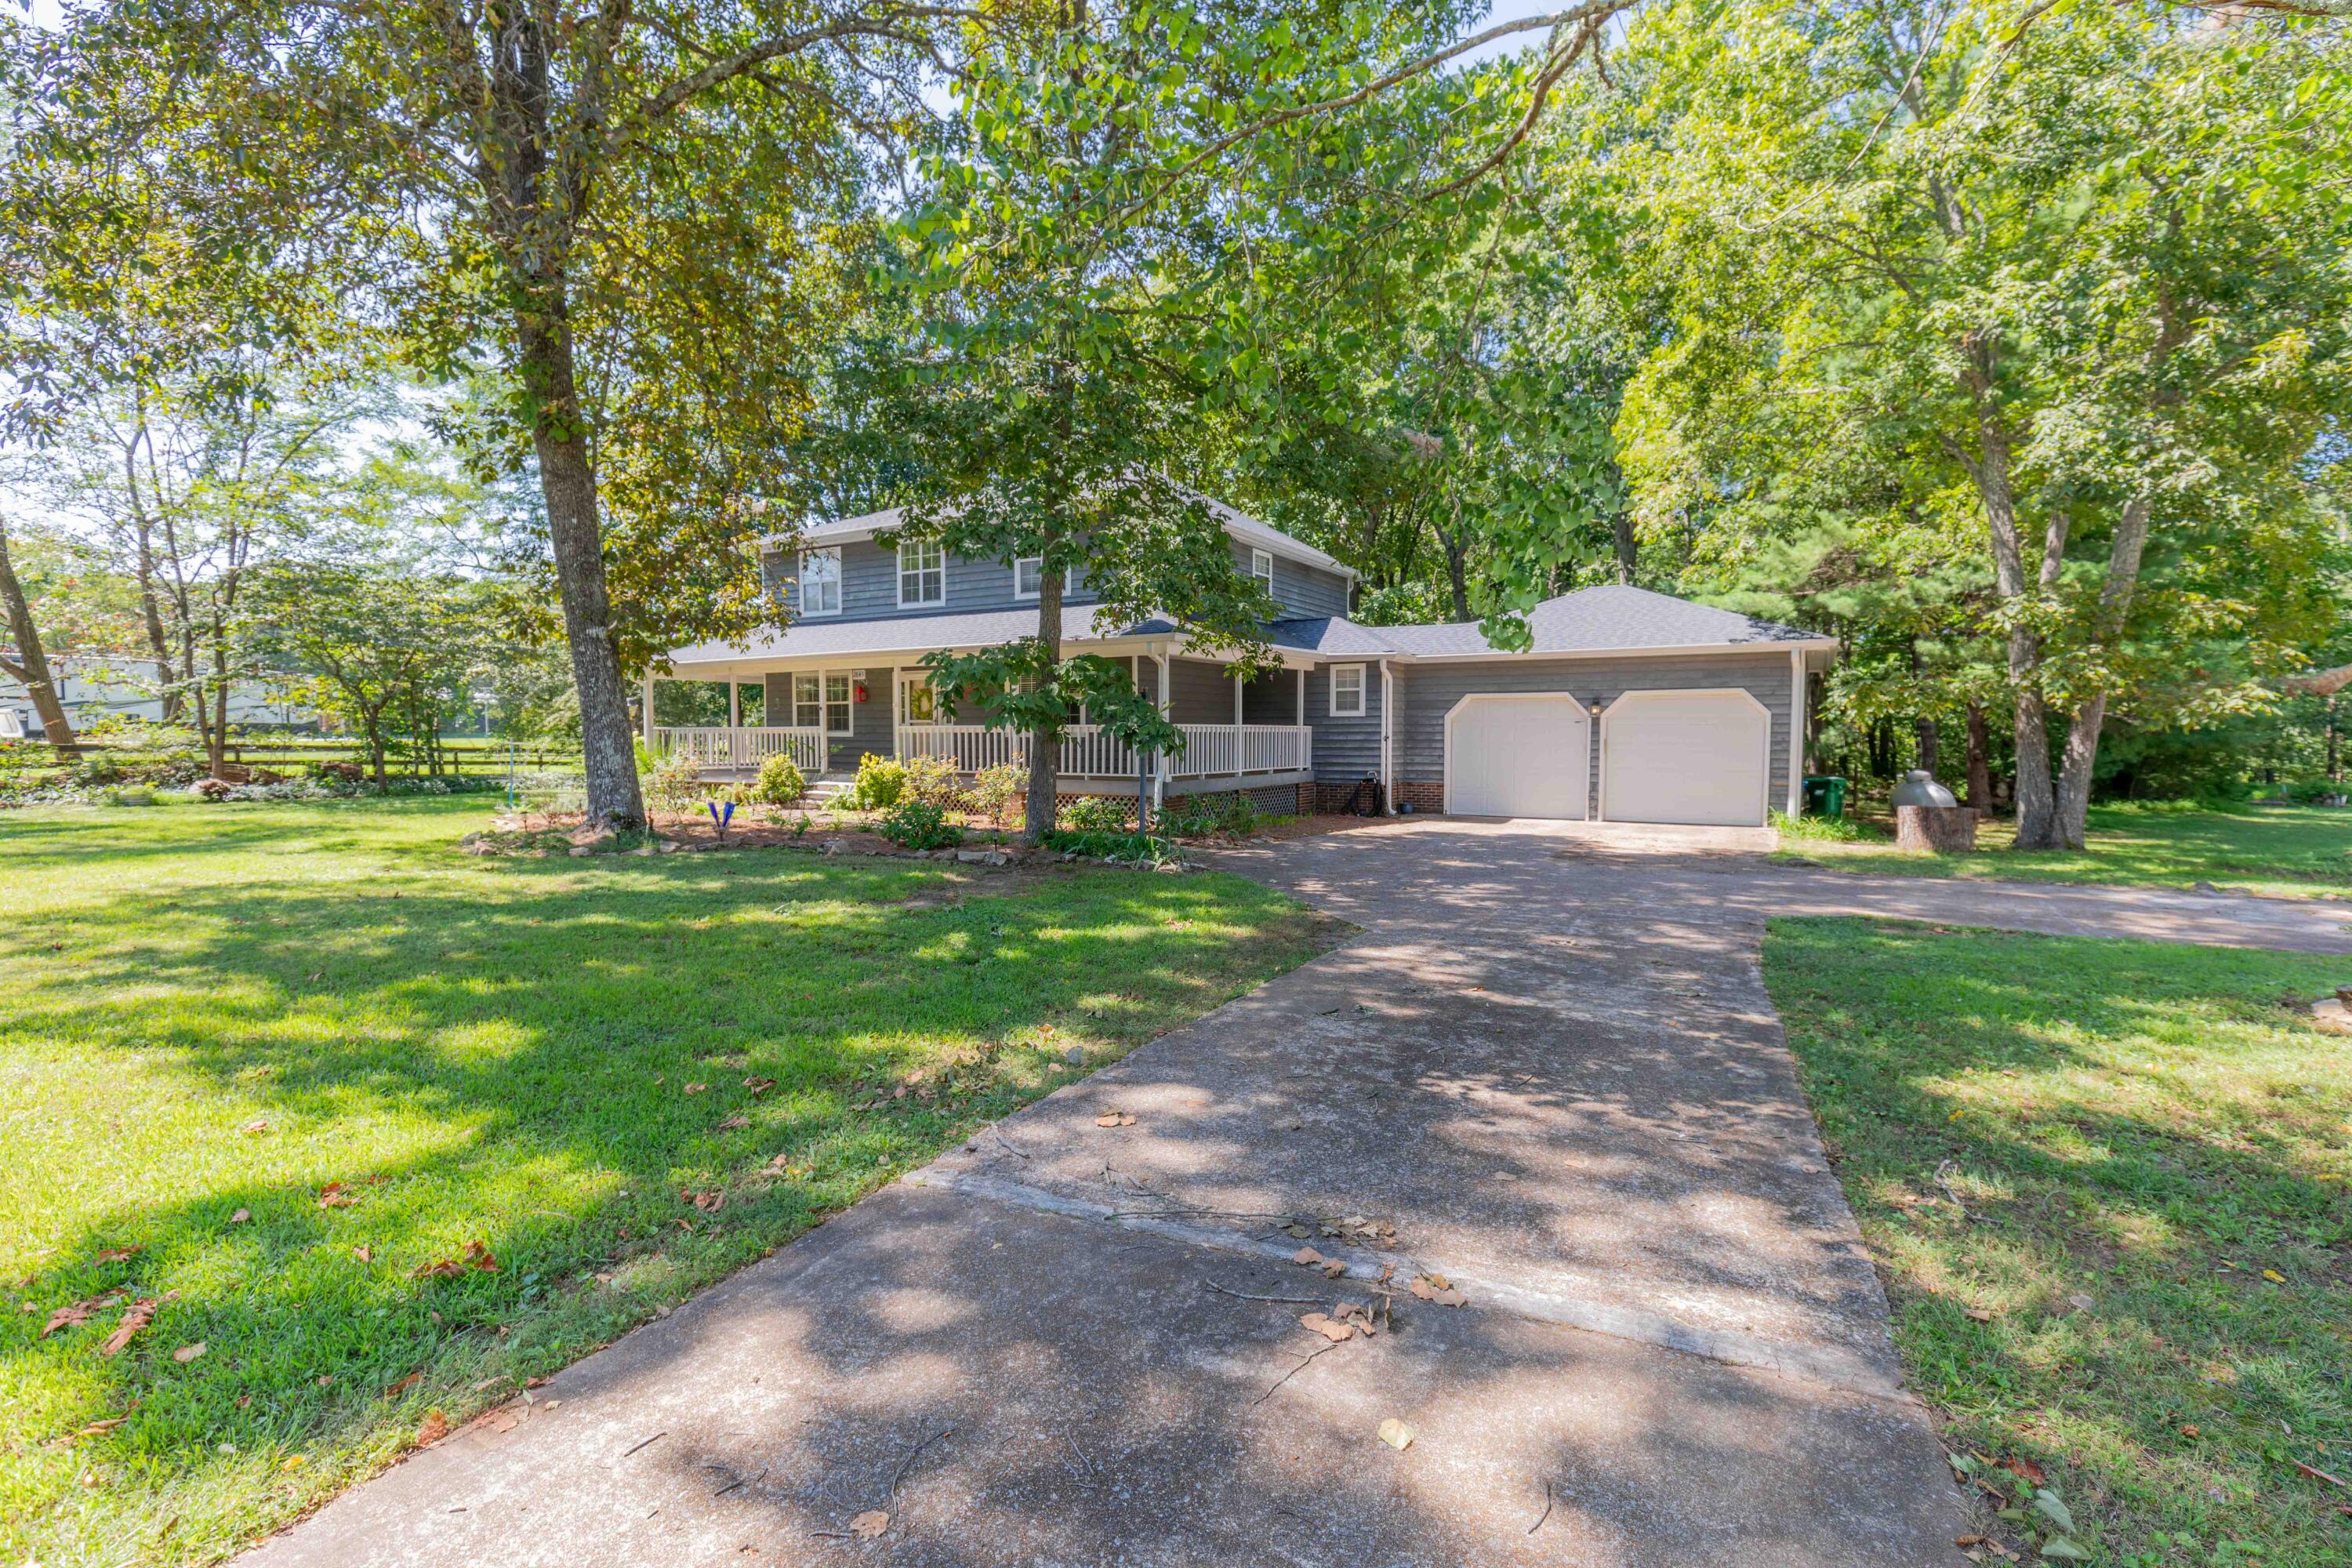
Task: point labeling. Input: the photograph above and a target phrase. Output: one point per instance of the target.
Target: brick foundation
(1422, 795)
(1333, 797)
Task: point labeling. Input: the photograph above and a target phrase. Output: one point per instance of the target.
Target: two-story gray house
(1627, 705)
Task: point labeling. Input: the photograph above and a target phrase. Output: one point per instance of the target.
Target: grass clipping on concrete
(388, 1129)
(2106, 1184)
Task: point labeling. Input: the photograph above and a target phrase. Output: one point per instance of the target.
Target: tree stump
(1946, 829)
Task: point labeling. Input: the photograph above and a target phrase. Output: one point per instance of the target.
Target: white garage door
(1516, 756)
(1694, 757)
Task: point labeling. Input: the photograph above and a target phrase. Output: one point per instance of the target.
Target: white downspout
(1388, 741)
(1796, 731)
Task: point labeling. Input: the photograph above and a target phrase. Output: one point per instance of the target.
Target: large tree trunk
(31, 664)
(1046, 746)
(1628, 556)
(1980, 761)
(567, 479)
(150, 608)
(1456, 561)
(2037, 803)
(2082, 735)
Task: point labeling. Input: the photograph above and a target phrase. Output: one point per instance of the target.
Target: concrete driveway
(1547, 1069)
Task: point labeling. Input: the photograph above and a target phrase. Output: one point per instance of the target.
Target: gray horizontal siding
(1345, 748)
(1272, 699)
(1200, 692)
(869, 584)
(1299, 588)
(1429, 691)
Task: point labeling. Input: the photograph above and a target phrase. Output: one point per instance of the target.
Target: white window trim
(1069, 577)
(1267, 576)
(848, 703)
(901, 696)
(800, 582)
(1358, 711)
(917, 571)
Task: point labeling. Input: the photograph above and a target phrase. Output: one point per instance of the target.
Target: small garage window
(1347, 691)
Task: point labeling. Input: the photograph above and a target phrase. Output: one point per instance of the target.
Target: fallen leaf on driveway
(1333, 1269)
(1396, 1434)
(1328, 1328)
(869, 1524)
(187, 1353)
(432, 1429)
(139, 1313)
(1115, 1118)
(1438, 1289)
(1306, 1256)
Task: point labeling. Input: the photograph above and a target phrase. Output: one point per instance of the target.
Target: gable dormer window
(1029, 571)
(820, 582)
(922, 573)
(1261, 567)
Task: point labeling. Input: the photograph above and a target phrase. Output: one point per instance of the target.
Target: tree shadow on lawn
(2139, 1125)
(545, 1058)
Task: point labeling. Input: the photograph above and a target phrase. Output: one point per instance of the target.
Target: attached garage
(1701, 757)
(1518, 755)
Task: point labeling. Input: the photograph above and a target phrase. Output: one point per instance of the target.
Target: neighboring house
(101, 685)
(1629, 705)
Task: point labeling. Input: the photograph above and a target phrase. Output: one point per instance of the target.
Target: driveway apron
(1545, 1069)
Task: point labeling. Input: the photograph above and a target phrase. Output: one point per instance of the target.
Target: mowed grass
(207, 1015)
(2143, 1127)
(2289, 851)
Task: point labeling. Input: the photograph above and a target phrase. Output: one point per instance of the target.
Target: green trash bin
(1825, 796)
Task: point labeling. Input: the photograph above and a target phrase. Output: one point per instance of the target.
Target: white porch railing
(1209, 749)
(746, 746)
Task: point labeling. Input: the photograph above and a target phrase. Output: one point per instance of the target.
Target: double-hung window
(922, 573)
(820, 582)
(1347, 691)
(1029, 575)
(1261, 567)
(822, 699)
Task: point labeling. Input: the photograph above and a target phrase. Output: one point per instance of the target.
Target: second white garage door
(1516, 756)
(1696, 757)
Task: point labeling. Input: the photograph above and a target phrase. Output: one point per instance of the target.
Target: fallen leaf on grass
(1979, 1314)
(2274, 1276)
(335, 1195)
(117, 1254)
(732, 1123)
(710, 1202)
(1330, 1327)
(869, 1524)
(365, 1254)
(403, 1385)
(240, 1217)
(1396, 1434)
(255, 1129)
(696, 1088)
(432, 1429)
(2317, 1475)
(75, 1313)
(758, 1086)
(1115, 1118)
(476, 1256)
(139, 1313)
(94, 1429)
(1438, 1289)
(2023, 1468)
(187, 1353)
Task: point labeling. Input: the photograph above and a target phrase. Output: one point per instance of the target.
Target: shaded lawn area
(2289, 851)
(2139, 1125)
(207, 1015)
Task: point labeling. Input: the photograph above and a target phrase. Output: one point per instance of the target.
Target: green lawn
(2290, 851)
(2146, 1128)
(208, 1015)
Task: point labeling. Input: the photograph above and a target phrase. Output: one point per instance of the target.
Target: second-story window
(1029, 571)
(1261, 567)
(922, 573)
(820, 582)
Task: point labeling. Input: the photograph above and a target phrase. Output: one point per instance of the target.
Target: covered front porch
(1237, 734)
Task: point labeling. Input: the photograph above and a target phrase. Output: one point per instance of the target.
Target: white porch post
(649, 709)
(738, 749)
(1160, 762)
(1301, 673)
(1237, 699)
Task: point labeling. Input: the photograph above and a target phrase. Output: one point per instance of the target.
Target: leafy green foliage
(780, 781)
(1099, 813)
(915, 823)
(880, 781)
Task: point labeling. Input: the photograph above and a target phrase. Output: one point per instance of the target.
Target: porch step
(825, 790)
